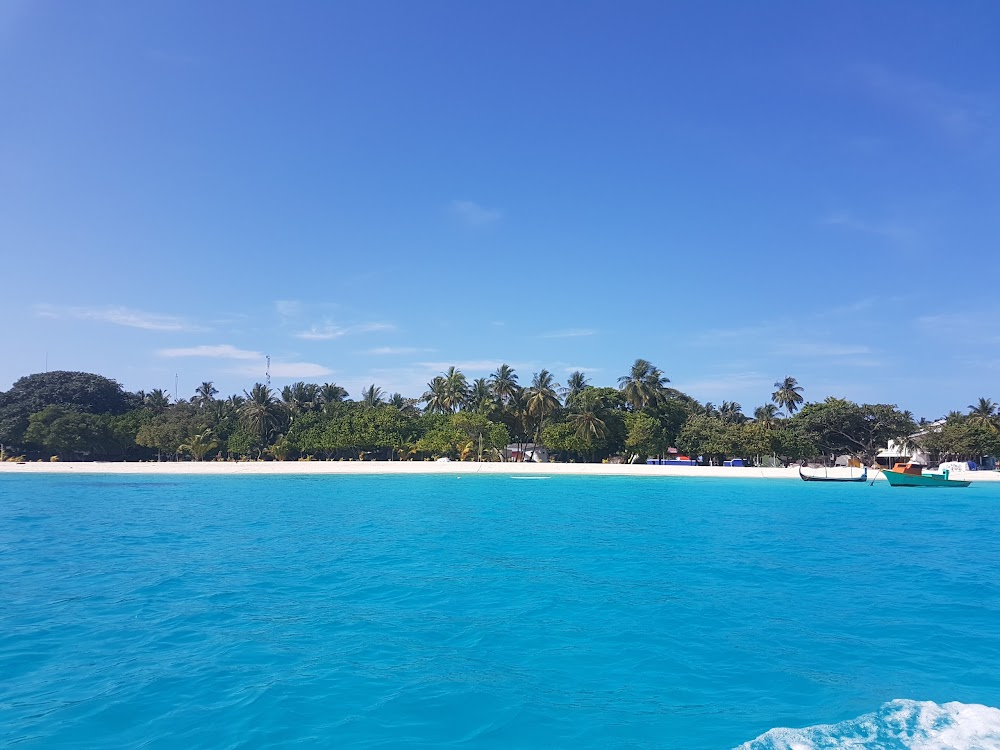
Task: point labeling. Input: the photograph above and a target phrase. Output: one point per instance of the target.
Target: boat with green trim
(913, 475)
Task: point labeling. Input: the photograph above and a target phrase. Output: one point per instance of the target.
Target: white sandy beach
(167, 468)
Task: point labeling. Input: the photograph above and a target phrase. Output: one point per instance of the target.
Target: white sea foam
(897, 725)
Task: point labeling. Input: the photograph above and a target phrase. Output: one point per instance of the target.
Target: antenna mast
(267, 372)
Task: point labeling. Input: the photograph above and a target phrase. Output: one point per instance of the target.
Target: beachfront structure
(894, 453)
(849, 461)
(528, 452)
(909, 450)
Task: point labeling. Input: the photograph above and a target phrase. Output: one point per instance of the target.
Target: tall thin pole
(267, 372)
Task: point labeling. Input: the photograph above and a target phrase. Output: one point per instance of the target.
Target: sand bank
(168, 468)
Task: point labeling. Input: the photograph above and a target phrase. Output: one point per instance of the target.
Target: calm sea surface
(489, 611)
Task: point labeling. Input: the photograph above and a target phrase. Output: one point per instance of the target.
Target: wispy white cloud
(372, 327)
(288, 308)
(858, 306)
(820, 349)
(885, 229)
(947, 323)
(329, 331)
(581, 368)
(958, 115)
(800, 343)
(862, 362)
(212, 351)
(290, 370)
(120, 316)
(963, 326)
(475, 365)
(719, 336)
(409, 380)
(474, 215)
(322, 333)
(392, 350)
(568, 334)
(230, 319)
(724, 385)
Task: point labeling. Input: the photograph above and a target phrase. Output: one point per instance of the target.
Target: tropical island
(74, 416)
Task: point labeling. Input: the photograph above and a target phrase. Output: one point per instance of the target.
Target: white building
(909, 450)
(526, 452)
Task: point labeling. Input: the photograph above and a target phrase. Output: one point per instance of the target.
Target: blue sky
(369, 192)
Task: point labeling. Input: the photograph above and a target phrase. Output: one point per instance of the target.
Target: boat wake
(897, 725)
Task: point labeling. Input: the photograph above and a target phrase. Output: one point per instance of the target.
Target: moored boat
(825, 478)
(913, 475)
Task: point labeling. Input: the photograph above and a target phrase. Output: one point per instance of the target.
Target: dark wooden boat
(807, 478)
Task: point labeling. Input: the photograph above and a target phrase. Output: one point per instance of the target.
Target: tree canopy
(83, 415)
(82, 392)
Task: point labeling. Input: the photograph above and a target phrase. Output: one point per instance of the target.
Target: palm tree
(157, 400)
(575, 385)
(672, 394)
(331, 393)
(465, 449)
(219, 411)
(281, 447)
(434, 396)
(204, 394)
(767, 415)
(307, 394)
(480, 397)
(907, 444)
(503, 382)
(644, 384)
(541, 399)
(788, 395)
(984, 413)
(404, 405)
(731, 413)
(198, 445)
(259, 413)
(519, 418)
(301, 397)
(709, 410)
(372, 395)
(588, 425)
(456, 389)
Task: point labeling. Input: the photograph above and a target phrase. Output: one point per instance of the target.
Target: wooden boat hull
(899, 479)
(807, 478)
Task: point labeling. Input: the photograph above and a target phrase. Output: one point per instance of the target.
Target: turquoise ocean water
(492, 612)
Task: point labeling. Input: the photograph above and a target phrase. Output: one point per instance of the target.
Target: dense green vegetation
(75, 415)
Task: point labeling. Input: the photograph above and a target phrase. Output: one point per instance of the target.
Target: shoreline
(315, 468)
